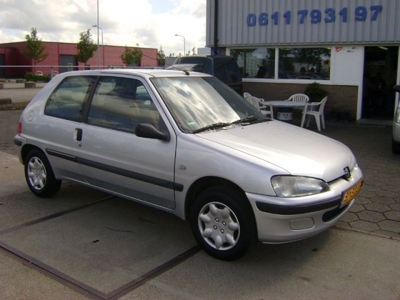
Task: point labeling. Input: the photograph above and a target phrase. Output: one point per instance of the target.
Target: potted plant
(315, 92)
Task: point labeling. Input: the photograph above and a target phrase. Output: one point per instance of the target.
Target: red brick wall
(340, 97)
(110, 55)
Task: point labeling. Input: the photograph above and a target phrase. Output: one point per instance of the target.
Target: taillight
(19, 128)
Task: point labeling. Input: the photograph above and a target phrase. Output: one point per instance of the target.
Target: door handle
(78, 134)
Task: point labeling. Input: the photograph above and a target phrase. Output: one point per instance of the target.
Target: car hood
(294, 149)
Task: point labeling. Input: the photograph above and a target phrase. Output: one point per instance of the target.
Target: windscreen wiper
(251, 120)
(248, 120)
(212, 126)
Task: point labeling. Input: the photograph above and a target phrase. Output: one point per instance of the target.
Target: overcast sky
(149, 23)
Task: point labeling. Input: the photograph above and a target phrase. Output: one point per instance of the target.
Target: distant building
(62, 57)
(203, 51)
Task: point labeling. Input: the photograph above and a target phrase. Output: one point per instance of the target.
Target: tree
(161, 57)
(193, 51)
(86, 47)
(34, 47)
(132, 56)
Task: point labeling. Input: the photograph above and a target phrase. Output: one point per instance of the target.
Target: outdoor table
(285, 108)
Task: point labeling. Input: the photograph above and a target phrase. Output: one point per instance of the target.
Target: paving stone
(377, 207)
(349, 217)
(371, 216)
(395, 206)
(368, 191)
(362, 200)
(364, 225)
(386, 194)
(382, 200)
(389, 225)
(357, 208)
(342, 224)
(392, 188)
(393, 215)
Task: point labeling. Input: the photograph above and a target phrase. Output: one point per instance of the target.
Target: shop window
(255, 63)
(304, 63)
(293, 63)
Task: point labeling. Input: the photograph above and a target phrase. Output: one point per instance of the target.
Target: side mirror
(397, 88)
(146, 130)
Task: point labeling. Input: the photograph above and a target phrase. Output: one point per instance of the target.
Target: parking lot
(86, 244)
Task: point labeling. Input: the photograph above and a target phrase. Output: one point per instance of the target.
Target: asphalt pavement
(85, 244)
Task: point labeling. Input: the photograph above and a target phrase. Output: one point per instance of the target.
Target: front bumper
(281, 220)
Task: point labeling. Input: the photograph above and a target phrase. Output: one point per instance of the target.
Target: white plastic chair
(260, 104)
(299, 98)
(318, 114)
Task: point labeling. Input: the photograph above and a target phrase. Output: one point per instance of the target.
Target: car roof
(139, 72)
(185, 67)
(213, 57)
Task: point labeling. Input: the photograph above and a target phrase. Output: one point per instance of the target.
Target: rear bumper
(19, 142)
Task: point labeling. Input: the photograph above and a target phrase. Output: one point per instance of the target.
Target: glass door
(380, 75)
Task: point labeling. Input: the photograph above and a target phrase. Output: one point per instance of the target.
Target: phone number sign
(315, 16)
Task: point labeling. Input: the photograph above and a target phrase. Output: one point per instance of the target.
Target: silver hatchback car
(185, 143)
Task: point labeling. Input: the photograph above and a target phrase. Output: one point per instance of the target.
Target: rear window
(66, 102)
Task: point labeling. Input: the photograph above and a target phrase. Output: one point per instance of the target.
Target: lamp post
(98, 47)
(98, 27)
(184, 43)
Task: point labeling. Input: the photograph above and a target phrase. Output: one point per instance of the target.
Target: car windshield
(204, 103)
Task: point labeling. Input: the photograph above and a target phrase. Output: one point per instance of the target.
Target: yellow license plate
(351, 193)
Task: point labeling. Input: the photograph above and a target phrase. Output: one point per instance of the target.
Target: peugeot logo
(347, 173)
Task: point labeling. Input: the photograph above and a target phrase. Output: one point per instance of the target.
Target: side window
(220, 72)
(208, 66)
(121, 104)
(67, 100)
(233, 71)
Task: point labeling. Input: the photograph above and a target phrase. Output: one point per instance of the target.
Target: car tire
(39, 175)
(223, 223)
(395, 147)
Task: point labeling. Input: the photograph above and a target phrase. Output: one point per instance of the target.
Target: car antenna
(179, 69)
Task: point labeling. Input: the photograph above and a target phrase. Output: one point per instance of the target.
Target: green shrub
(29, 76)
(315, 92)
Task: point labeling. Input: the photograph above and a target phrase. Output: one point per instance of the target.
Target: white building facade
(350, 47)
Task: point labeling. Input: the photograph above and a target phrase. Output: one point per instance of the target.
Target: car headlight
(297, 186)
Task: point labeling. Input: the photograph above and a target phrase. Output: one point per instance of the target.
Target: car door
(113, 157)
(63, 114)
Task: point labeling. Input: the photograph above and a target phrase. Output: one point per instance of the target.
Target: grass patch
(14, 106)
